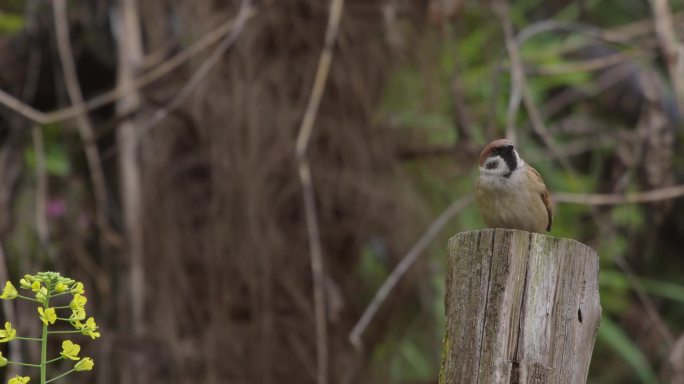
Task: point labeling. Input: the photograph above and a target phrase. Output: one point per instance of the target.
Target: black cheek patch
(492, 165)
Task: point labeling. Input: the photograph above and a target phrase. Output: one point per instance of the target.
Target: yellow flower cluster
(9, 292)
(8, 333)
(77, 305)
(46, 286)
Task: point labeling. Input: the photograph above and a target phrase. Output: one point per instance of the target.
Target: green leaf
(663, 289)
(56, 154)
(412, 364)
(629, 216)
(616, 338)
(371, 269)
(56, 161)
(10, 23)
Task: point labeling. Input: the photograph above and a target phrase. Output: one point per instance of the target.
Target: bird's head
(500, 159)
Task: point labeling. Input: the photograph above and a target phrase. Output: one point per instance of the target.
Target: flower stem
(60, 376)
(29, 338)
(28, 298)
(24, 364)
(43, 355)
(64, 332)
(43, 346)
(53, 360)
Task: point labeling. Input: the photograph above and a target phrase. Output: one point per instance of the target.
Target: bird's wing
(543, 194)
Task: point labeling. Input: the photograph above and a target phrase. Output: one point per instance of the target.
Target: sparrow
(510, 193)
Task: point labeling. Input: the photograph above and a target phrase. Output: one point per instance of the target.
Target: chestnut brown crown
(496, 144)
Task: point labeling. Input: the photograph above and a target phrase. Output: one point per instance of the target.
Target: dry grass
(225, 230)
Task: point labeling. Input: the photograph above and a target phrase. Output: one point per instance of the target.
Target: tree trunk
(520, 308)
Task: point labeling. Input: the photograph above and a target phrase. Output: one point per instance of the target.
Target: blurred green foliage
(611, 334)
(418, 103)
(56, 156)
(10, 23)
(664, 289)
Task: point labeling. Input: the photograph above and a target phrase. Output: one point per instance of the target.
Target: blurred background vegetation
(178, 201)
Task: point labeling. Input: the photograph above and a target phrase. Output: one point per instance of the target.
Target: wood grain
(521, 308)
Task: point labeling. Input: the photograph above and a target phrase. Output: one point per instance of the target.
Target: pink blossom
(55, 208)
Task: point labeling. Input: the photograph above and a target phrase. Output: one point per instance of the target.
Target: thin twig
(605, 81)
(203, 70)
(646, 301)
(619, 35)
(130, 55)
(673, 51)
(317, 272)
(526, 34)
(674, 365)
(305, 130)
(25, 110)
(115, 94)
(576, 147)
(462, 117)
(590, 64)
(84, 124)
(512, 113)
(321, 77)
(406, 262)
(518, 75)
(618, 198)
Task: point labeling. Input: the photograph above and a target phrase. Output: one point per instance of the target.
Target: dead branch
(590, 64)
(85, 127)
(649, 306)
(618, 198)
(519, 82)
(303, 139)
(406, 262)
(115, 94)
(672, 49)
(130, 54)
(462, 116)
(518, 76)
(512, 112)
(673, 368)
(201, 73)
(605, 81)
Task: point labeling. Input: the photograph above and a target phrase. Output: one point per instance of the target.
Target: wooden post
(520, 308)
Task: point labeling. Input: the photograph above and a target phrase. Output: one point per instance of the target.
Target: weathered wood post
(520, 308)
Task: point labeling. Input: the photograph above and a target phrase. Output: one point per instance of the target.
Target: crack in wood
(515, 368)
(486, 306)
(513, 321)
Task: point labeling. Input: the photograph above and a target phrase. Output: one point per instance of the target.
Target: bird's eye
(492, 165)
